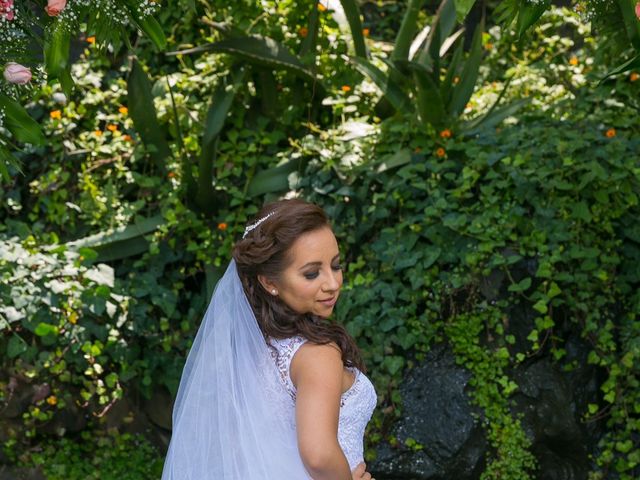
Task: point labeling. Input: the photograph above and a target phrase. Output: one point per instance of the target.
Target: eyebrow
(316, 263)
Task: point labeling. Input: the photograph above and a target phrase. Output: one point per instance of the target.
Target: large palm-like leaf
(256, 49)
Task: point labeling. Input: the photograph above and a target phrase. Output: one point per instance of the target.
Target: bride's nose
(333, 282)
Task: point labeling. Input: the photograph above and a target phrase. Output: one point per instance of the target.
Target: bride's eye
(312, 275)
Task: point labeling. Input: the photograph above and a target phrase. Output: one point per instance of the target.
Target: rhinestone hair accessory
(254, 225)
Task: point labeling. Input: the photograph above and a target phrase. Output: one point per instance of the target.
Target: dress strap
(286, 349)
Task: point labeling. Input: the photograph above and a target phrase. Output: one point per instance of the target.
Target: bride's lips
(329, 302)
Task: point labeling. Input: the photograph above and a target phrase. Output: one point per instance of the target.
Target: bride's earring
(273, 292)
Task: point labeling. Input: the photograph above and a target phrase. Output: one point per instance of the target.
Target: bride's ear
(267, 284)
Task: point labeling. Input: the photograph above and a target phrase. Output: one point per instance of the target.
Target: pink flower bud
(638, 10)
(6, 9)
(16, 73)
(54, 7)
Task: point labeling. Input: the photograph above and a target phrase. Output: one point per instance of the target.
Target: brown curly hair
(264, 251)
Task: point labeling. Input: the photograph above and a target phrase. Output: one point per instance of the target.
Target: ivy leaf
(541, 306)
(44, 329)
(393, 364)
(16, 346)
(520, 286)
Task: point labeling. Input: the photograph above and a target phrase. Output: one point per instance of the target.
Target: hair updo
(265, 251)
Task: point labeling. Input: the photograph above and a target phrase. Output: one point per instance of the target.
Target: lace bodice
(356, 404)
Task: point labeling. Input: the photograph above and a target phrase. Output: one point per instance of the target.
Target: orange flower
(222, 226)
(52, 400)
(634, 76)
(610, 133)
(112, 128)
(98, 133)
(321, 7)
(456, 80)
(55, 114)
(303, 32)
(365, 32)
(446, 133)
(123, 110)
(573, 60)
(127, 138)
(171, 174)
(440, 152)
(91, 40)
(345, 88)
(488, 46)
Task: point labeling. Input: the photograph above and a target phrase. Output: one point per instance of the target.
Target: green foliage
(53, 330)
(555, 217)
(548, 201)
(93, 456)
(426, 87)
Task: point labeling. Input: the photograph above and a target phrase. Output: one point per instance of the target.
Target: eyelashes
(311, 276)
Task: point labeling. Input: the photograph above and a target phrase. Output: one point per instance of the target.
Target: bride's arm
(316, 372)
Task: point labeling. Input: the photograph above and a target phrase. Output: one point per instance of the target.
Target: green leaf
(221, 104)
(407, 30)
(121, 242)
(441, 27)
(390, 89)
(554, 290)
(56, 56)
(430, 256)
(464, 89)
(447, 85)
(111, 379)
(430, 105)
(310, 42)
(44, 329)
(528, 13)
(274, 179)
(541, 306)
(581, 211)
(151, 28)
(258, 50)
(143, 113)
(401, 157)
(7, 159)
(493, 117)
(463, 7)
(24, 128)
(352, 13)
(627, 66)
(520, 286)
(16, 346)
(631, 21)
(393, 364)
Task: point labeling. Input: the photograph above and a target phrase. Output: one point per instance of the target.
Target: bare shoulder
(314, 361)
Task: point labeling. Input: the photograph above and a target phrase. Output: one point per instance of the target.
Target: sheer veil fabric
(229, 418)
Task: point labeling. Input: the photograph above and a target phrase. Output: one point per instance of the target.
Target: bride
(271, 389)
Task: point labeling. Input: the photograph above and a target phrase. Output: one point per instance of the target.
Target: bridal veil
(229, 419)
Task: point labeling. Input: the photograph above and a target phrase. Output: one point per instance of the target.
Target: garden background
(479, 160)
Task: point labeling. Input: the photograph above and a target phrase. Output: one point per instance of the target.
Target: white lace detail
(356, 404)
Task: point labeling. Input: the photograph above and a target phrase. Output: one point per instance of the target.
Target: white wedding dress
(356, 405)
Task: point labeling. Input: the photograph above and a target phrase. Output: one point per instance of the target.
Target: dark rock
(545, 401)
(69, 419)
(438, 415)
(159, 408)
